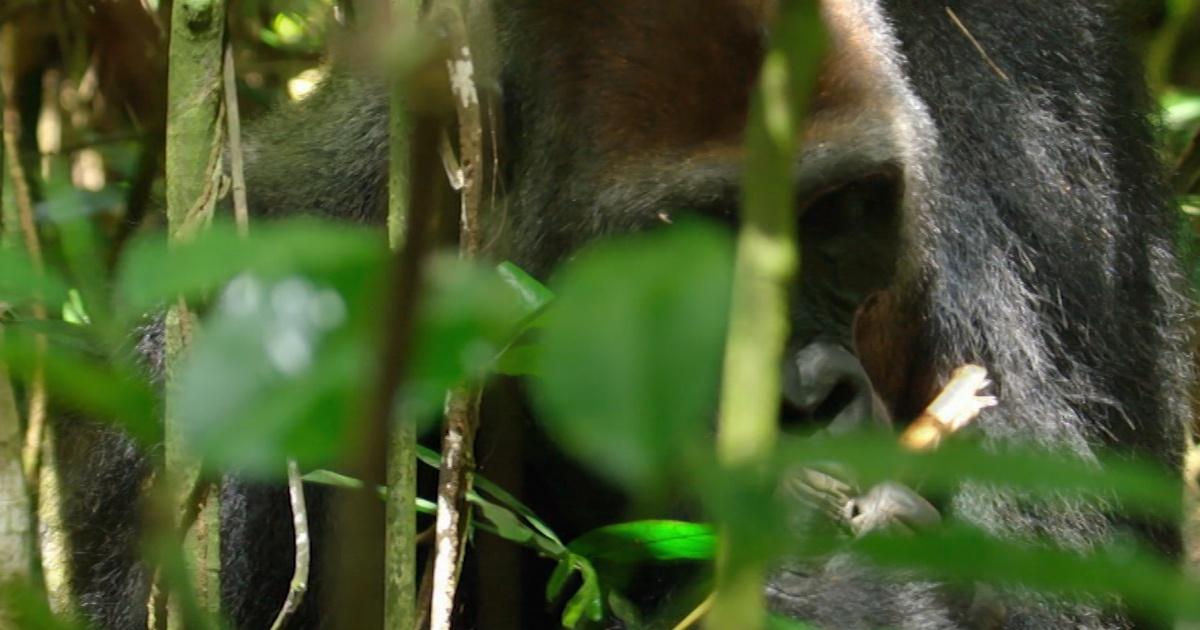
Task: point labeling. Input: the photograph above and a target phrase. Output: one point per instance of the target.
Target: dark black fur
(1035, 228)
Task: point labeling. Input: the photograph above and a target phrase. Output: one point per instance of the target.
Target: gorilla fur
(1035, 231)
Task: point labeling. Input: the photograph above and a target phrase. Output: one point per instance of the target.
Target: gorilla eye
(859, 205)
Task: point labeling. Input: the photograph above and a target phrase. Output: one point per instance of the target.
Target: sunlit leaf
(640, 541)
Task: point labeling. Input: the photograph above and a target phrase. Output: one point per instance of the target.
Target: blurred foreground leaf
(631, 352)
(152, 274)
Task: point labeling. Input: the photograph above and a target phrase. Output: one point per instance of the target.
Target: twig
(979, 47)
(697, 613)
(458, 461)
(35, 421)
(954, 408)
(233, 122)
(359, 550)
(425, 592)
(462, 405)
(400, 519)
(299, 584)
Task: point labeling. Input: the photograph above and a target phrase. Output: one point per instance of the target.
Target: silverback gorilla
(977, 180)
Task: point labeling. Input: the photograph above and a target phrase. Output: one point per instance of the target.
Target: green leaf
(106, 390)
(1180, 109)
(631, 353)
(551, 544)
(21, 284)
(558, 578)
(777, 622)
(520, 360)
(276, 367)
(507, 524)
(73, 311)
(588, 600)
(534, 295)
(151, 274)
(468, 315)
(338, 480)
(1141, 488)
(26, 607)
(963, 554)
(333, 479)
(640, 541)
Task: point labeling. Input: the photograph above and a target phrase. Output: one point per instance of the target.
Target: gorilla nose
(825, 388)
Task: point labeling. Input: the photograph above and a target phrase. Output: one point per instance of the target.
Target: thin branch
(299, 584)
(697, 613)
(458, 462)
(462, 406)
(361, 548)
(979, 47)
(400, 518)
(954, 408)
(35, 420)
(233, 121)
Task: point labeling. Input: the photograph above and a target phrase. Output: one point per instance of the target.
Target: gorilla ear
(887, 344)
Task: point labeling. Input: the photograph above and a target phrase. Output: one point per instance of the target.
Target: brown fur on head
(658, 75)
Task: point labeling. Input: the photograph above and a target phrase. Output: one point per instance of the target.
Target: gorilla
(977, 181)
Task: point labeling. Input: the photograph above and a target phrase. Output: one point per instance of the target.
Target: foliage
(622, 356)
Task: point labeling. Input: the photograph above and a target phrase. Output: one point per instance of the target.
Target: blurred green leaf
(534, 295)
(520, 360)
(468, 314)
(105, 390)
(25, 607)
(1140, 487)
(776, 622)
(964, 554)
(631, 352)
(641, 541)
(152, 275)
(21, 284)
(275, 367)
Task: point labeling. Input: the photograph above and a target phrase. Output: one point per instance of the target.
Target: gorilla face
(976, 184)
